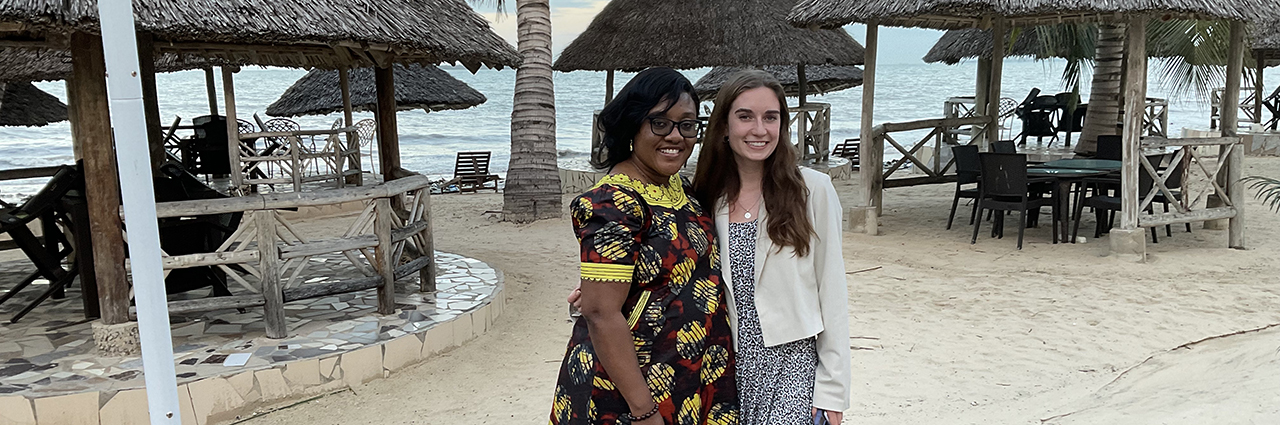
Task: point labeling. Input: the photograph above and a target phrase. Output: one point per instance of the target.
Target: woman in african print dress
(653, 345)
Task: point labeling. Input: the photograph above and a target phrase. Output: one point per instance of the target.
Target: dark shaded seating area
(48, 251)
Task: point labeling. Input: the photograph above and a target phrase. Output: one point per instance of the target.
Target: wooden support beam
(215, 303)
(803, 82)
(1135, 90)
(608, 87)
(1156, 220)
(340, 287)
(233, 126)
(1160, 142)
(1230, 119)
(998, 36)
(269, 266)
(1259, 66)
(388, 136)
(102, 185)
(211, 89)
(386, 263)
(150, 100)
(980, 102)
(871, 150)
(344, 82)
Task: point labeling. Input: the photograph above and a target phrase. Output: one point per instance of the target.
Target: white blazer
(800, 297)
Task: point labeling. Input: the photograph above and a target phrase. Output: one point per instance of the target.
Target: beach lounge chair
(48, 251)
(848, 150)
(471, 172)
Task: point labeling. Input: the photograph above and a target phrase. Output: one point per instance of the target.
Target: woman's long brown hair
(785, 195)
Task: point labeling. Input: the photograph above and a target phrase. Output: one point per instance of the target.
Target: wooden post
(1230, 117)
(427, 274)
(269, 266)
(997, 69)
(608, 87)
(388, 137)
(871, 166)
(72, 117)
(344, 80)
(102, 186)
(980, 101)
(150, 100)
(233, 126)
(803, 83)
(1259, 66)
(383, 252)
(211, 90)
(1134, 104)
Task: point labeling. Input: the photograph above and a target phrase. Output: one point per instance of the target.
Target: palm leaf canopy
(958, 14)
(819, 79)
(22, 104)
(630, 35)
(417, 87)
(296, 33)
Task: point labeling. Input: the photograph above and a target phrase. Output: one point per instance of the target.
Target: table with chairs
(1001, 182)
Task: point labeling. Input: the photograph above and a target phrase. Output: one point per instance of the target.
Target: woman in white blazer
(778, 227)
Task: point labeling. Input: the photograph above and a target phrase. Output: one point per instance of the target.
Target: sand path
(944, 332)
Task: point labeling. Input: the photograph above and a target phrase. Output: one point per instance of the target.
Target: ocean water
(428, 141)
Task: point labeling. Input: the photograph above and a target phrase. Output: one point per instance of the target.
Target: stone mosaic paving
(51, 350)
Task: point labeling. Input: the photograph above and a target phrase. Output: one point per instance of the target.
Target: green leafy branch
(1268, 190)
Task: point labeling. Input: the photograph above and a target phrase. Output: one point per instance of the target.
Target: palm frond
(1191, 54)
(1268, 190)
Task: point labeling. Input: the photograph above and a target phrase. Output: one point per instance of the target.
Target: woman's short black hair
(623, 117)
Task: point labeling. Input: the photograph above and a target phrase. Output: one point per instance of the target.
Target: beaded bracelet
(633, 419)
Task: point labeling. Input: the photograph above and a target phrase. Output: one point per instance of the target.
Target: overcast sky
(571, 17)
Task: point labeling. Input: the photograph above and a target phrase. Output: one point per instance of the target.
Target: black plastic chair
(190, 235)
(48, 252)
(967, 170)
(1110, 147)
(1004, 186)
(1004, 146)
(1038, 114)
(1105, 204)
(206, 152)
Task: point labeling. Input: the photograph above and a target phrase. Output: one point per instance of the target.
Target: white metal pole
(124, 89)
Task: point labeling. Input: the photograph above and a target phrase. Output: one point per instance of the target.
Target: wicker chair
(367, 130)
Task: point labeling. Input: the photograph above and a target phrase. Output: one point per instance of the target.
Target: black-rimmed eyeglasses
(662, 127)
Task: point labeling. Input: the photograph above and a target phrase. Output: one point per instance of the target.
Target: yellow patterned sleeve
(608, 221)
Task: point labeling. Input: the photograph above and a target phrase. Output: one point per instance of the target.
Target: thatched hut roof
(630, 35)
(294, 33)
(424, 87)
(41, 64)
(957, 45)
(1266, 42)
(957, 14)
(22, 104)
(820, 79)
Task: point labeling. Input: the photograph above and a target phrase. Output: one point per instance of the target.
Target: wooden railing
(274, 255)
(1210, 189)
(1247, 98)
(294, 157)
(939, 135)
(1155, 118)
(813, 130)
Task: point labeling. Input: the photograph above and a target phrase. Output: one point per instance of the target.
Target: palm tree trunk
(1104, 91)
(533, 180)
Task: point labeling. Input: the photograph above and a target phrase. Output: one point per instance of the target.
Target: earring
(631, 145)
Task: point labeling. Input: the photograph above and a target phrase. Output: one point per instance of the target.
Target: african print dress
(658, 240)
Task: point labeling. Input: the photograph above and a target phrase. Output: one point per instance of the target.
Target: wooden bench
(471, 172)
(849, 149)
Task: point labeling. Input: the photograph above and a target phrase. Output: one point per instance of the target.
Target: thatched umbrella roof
(297, 33)
(957, 45)
(42, 64)
(425, 87)
(1266, 42)
(957, 14)
(22, 104)
(630, 35)
(821, 79)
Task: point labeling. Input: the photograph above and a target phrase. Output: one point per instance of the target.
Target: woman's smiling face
(755, 119)
(665, 155)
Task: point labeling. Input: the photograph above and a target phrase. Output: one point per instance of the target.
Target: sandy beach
(943, 332)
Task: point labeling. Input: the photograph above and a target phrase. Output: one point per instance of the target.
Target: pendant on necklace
(746, 215)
